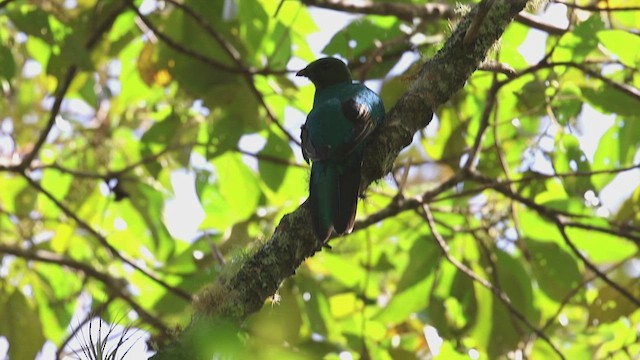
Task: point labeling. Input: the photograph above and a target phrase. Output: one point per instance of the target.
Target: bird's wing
(310, 151)
(359, 114)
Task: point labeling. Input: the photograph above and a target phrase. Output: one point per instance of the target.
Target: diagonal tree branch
(293, 240)
(237, 295)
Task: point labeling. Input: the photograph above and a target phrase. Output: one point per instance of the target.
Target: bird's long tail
(333, 196)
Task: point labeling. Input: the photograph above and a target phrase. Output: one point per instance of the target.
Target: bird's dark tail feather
(333, 197)
(348, 191)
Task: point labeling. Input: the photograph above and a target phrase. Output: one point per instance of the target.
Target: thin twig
(103, 241)
(428, 12)
(561, 227)
(596, 7)
(577, 288)
(472, 160)
(117, 286)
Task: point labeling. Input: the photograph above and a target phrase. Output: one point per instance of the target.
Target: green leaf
(317, 308)
(406, 302)
(236, 114)
(555, 270)
(25, 201)
(533, 226)
(610, 101)
(601, 247)
(149, 203)
(7, 63)
(271, 171)
(279, 48)
(575, 45)
(344, 271)
(361, 35)
(616, 148)
(234, 195)
(33, 21)
(254, 23)
(569, 158)
(158, 137)
(20, 324)
(610, 304)
(516, 283)
(72, 52)
(510, 41)
(423, 257)
(54, 289)
(630, 210)
(624, 44)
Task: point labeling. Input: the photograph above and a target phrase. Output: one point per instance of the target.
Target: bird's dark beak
(302, 72)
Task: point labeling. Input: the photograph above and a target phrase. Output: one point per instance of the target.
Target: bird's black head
(326, 72)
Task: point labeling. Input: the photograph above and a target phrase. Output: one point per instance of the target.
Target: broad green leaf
(630, 209)
(236, 113)
(410, 300)
(280, 321)
(7, 63)
(348, 273)
(271, 170)
(615, 149)
(361, 35)
(149, 203)
(516, 283)
(33, 21)
(611, 305)
(569, 158)
(510, 42)
(234, 195)
(72, 52)
(25, 200)
(610, 101)
(625, 45)
(20, 324)
(556, 271)
(577, 44)
(317, 308)
(423, 258)
(254, 23)
(601, 247)
(54, 289)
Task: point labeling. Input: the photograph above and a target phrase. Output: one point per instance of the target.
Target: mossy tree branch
(235, 296)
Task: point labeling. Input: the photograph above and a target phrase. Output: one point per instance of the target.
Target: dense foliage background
(509, 228)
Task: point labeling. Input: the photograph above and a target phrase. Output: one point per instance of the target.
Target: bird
(344, 115)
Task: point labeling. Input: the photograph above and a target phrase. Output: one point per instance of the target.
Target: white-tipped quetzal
(344, 114)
